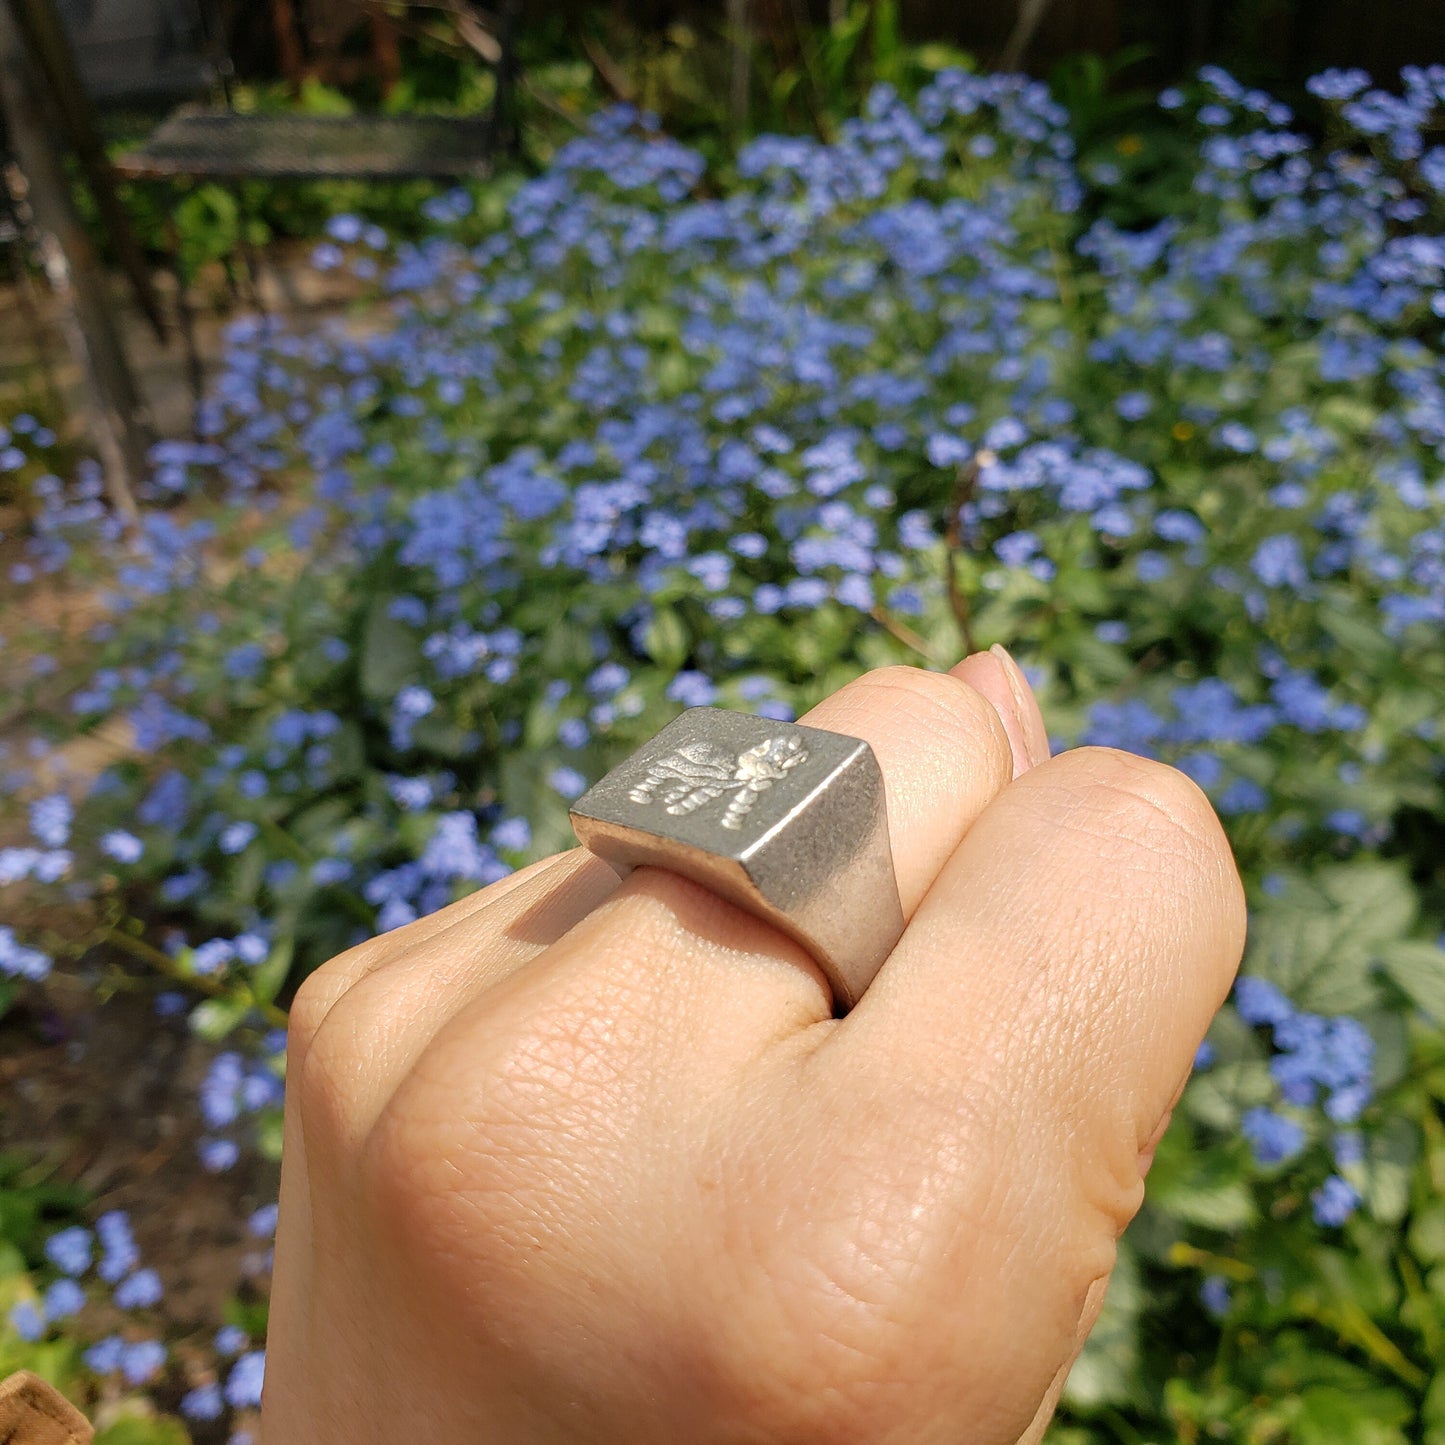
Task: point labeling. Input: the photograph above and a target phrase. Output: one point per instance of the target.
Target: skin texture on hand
(579, 1159)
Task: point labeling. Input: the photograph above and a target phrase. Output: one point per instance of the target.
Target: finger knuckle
(343, 1031)
(319, 993)
(936, 700)
(323, 1086)
(1147, 802)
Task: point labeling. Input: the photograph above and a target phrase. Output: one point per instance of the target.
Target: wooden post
(113, 407)
(740, 47)
(386, 50)
(504, 127)
(11, 183)
(195, 368)
(288, 43)
(49, 45)
(1030, 13)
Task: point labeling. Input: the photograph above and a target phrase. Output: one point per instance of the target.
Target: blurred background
(406, 408)
(193, 99)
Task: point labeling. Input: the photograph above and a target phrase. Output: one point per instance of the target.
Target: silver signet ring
(787, 822)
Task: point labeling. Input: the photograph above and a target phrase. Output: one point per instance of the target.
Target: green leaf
(667, 640)
(524, 792)
(314, 829)
(1418, 969)
(390, 653)
(250, 1314)
(1199, 1187)
(247, 873)
(1320, 940)
(214, 1018)
(53, 1360)
(1220, 1095)
(1347, 1282)
(268, 977)
(443, 739)
(269, 1129)
(1393, 1152)
(1427, 1233)
(1329, 1415)
(1432, 1411)
(1359, 635)
(1347, 414)
(144, 1428)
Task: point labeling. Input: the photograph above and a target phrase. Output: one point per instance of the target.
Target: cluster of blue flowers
(241, 1389)
(109, 1251)
(1317, 1060)
(634, 446)
(234, 1089)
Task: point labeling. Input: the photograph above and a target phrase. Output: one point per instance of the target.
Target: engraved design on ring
(699, 772)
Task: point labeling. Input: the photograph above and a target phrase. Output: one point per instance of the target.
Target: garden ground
(103, 1097)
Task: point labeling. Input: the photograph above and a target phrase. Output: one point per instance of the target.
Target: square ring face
(720, 781)
(788, 822)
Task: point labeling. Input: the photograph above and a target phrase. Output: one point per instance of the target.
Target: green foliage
(801, 77)
(32, 1205)
(1141, 164)
(142, 1426)
(1323, 1339)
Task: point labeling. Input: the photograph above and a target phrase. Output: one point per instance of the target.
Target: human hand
(587, 1160)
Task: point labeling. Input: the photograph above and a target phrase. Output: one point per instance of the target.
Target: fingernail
(995, 674)
(1036, 735)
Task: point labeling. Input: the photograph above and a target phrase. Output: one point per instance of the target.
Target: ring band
(787, 822)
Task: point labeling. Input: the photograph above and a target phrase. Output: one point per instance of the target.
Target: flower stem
(165, 965)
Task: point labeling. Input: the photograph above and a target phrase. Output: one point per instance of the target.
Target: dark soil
(103, 1096)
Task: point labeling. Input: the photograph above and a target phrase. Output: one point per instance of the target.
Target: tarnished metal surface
(788, 822)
